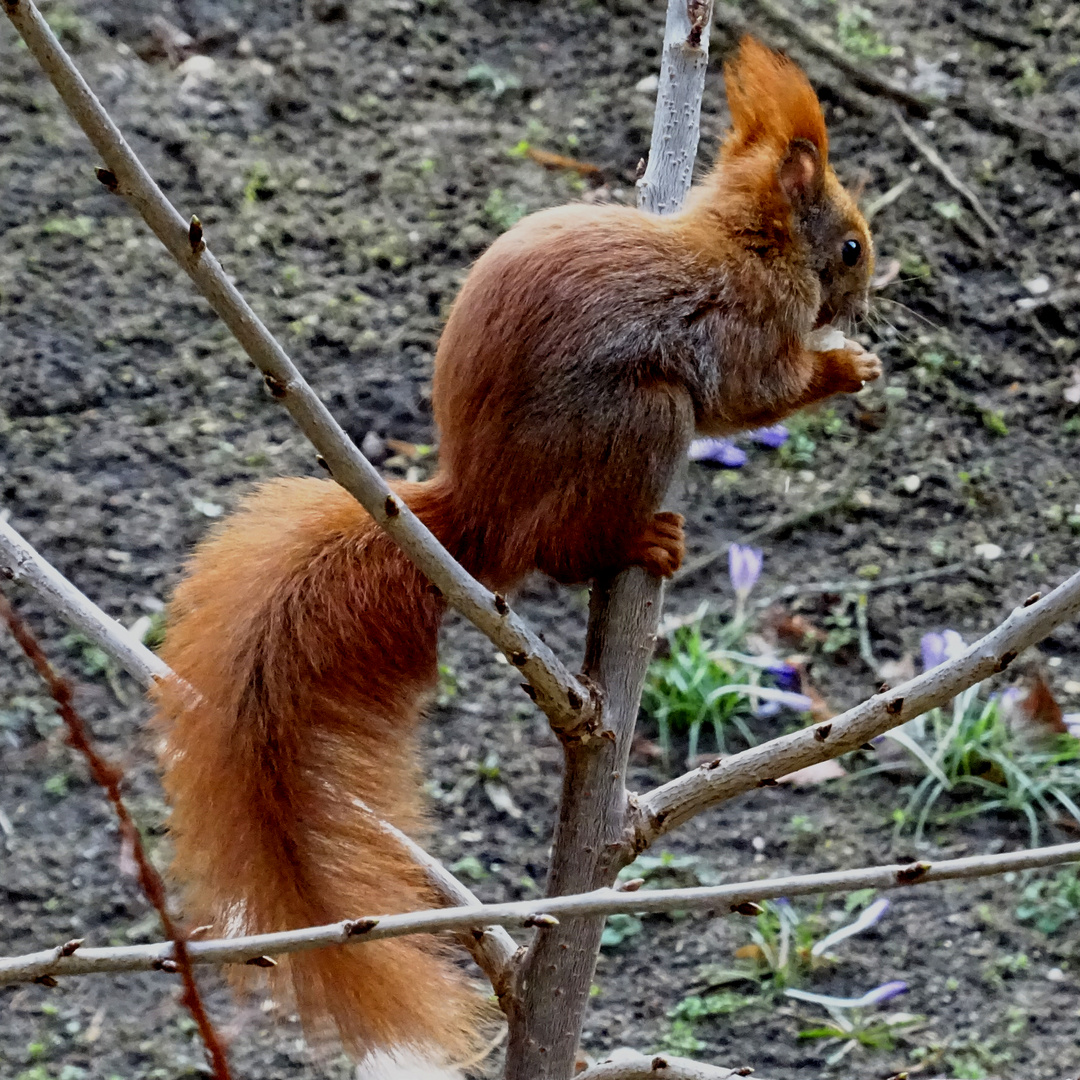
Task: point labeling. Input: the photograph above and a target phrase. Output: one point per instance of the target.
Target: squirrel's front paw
(660, 547)
(853, 367)
(865, 366)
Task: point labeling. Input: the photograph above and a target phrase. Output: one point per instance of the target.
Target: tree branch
(544, 913)
(666, 807)
(659, 1067)
(20, 562)
(566, 701)
(493, 949)
(676, 122)
(555, 977)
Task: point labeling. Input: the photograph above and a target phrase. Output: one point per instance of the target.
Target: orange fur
(771, 101)
(584, 350)
(307, 701)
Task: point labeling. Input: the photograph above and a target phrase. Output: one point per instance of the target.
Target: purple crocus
(772, 437)
(867, 918)
(1072, 722)
(938, 648)
(885, 992)
(717, 452)
(744, 566)
(786, 677)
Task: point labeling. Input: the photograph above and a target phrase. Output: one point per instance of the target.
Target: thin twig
(492, 951)
(20, 562)
(660, 1067)
(567, 702)
(950, 178)
(862, 623)
(108, 778)
(668, 806)
(543, 913)
(875, 206)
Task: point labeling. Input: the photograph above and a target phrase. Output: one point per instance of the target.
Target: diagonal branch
(20, 562)
(493, 948)
(567, 702)
(666, 807)
(544, 913)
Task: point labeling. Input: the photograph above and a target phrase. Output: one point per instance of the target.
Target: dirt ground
(348, 161)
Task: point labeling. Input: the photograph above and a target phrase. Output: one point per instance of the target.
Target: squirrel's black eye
(851, 252)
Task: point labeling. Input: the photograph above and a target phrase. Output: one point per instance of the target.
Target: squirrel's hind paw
(660, 547)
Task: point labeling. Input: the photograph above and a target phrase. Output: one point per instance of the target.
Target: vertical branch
(593, 834)
(676, 123)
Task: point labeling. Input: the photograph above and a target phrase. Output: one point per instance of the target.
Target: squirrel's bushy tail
(310, 641)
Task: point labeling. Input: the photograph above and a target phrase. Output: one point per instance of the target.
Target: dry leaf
(1037, 716)
(797, 628)
(411, 450)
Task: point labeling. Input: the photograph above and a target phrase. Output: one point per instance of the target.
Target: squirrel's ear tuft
(801, 173)
(771, 102)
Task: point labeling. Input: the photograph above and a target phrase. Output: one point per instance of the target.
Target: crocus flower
(744, 566)
(1072, 722)
(718, 452)
(772, 437)
(786, 677)
(885, 992)
(866, 919)
(937, 648)
(798, 702)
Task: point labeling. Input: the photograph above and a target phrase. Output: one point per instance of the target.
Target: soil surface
(348, 161)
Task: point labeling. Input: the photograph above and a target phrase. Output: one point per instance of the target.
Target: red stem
(109, 777)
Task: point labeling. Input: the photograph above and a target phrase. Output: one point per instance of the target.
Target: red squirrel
(587, 346)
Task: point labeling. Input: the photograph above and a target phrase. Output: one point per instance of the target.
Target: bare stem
(108, 779)
(563, 698)
(551, 915)
(666, 807)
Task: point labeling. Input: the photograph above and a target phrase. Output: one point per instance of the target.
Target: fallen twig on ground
(1059, 149)
(931, 155)
(854, 587)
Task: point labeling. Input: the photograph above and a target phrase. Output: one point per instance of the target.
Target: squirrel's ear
(801, 174)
